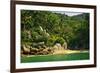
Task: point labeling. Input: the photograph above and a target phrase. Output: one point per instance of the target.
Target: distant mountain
(81, 16)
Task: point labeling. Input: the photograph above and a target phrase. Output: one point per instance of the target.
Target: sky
(68, 13)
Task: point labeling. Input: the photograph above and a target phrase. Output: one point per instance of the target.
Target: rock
(57, 46)
(25, 49)
(34, 50)
(32, 53)
(40, 49)
(38, 45)
(45, 49)
(65, 45)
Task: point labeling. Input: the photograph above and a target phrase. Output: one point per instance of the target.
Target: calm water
(64, 57)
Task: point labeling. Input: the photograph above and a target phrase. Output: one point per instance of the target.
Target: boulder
(57, 46)
(38, 45)
(25, 50)
(64, 45)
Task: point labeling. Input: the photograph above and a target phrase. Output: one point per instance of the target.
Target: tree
(51, 27)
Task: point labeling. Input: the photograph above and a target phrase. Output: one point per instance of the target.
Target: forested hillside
(44, 29)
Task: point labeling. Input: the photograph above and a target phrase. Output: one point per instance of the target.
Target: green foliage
(60, 40)
(25, 37)
(51, 40)
(51, 27)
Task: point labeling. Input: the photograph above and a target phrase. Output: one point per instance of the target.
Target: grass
(59, 57)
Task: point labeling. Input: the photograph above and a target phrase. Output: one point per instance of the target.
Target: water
(60, 57)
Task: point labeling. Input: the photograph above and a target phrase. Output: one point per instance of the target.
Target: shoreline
(60, 52)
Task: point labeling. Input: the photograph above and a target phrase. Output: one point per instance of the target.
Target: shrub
(25, 37)
(51, 40)
(60, 40)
